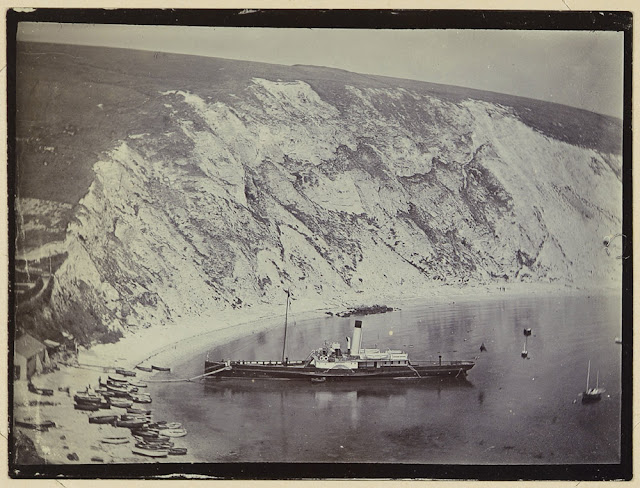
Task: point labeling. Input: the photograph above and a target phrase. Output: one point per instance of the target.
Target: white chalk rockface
(389, 193)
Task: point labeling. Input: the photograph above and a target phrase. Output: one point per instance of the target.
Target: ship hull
(217, 370)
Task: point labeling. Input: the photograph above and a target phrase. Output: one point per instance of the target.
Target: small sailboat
(524, 352)
(527, 332)
(592, 394)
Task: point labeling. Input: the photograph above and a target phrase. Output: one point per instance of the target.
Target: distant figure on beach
(483, 348)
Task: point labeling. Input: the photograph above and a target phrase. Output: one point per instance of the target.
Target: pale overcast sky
(578, 68)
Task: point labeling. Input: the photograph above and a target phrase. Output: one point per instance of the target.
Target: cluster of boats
(155, 439)
(151, 439)
(121, 390)
(117, 391)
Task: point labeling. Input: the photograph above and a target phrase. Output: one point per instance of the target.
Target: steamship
(332, 363)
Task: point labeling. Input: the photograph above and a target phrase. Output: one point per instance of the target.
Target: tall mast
(588, 371)
(286, 316)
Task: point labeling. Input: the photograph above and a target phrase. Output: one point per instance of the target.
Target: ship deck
(300, 370)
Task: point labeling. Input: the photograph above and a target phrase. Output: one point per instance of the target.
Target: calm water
(510, 409)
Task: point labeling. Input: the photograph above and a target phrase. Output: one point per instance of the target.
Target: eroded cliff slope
(225, 185)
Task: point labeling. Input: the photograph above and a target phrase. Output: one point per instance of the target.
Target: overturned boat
(332, 363)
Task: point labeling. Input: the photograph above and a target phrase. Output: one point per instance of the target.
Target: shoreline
(234, 324)
(71, 433)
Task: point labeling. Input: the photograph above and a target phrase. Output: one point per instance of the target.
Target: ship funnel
(356, 342)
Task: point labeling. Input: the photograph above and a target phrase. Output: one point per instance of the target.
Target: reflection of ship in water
(358, 388)
(328, 398)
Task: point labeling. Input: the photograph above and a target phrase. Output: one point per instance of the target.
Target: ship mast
(286, 316)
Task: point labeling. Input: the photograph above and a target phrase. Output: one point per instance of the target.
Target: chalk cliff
(173, 185)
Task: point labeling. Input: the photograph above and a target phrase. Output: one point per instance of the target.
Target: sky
(577, 68)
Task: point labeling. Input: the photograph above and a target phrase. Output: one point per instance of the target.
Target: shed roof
(28, 346)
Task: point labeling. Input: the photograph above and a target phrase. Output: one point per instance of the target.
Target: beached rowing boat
(102, 419)
(89, 407)
(42, 425)
(120, 402)
(130, 424)
(174, 432)
(125, 372)
(140, 398)
(177, 451)
(115, 440)
(150, 452)
(144, 411)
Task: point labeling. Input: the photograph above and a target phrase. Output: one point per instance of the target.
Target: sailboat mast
(588, 371)
(286, 317)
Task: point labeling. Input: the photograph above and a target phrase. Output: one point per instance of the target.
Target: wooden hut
(28, 358)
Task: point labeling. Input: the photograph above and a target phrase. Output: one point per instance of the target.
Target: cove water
(509, 410)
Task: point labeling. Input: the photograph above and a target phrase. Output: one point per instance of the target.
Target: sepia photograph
(350, 244)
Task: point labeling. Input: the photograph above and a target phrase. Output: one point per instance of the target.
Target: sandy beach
(74, 441)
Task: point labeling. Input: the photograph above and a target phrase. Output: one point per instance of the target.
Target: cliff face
(339, 190)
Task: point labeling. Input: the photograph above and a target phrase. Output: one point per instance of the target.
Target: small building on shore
(29, 355)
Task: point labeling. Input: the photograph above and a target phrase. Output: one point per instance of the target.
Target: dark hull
(591, 398)
(298, 371)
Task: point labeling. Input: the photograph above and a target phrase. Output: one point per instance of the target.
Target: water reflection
(481, 397)
(381, 389)
(508, 410)
(261, 338)
(353, 402)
